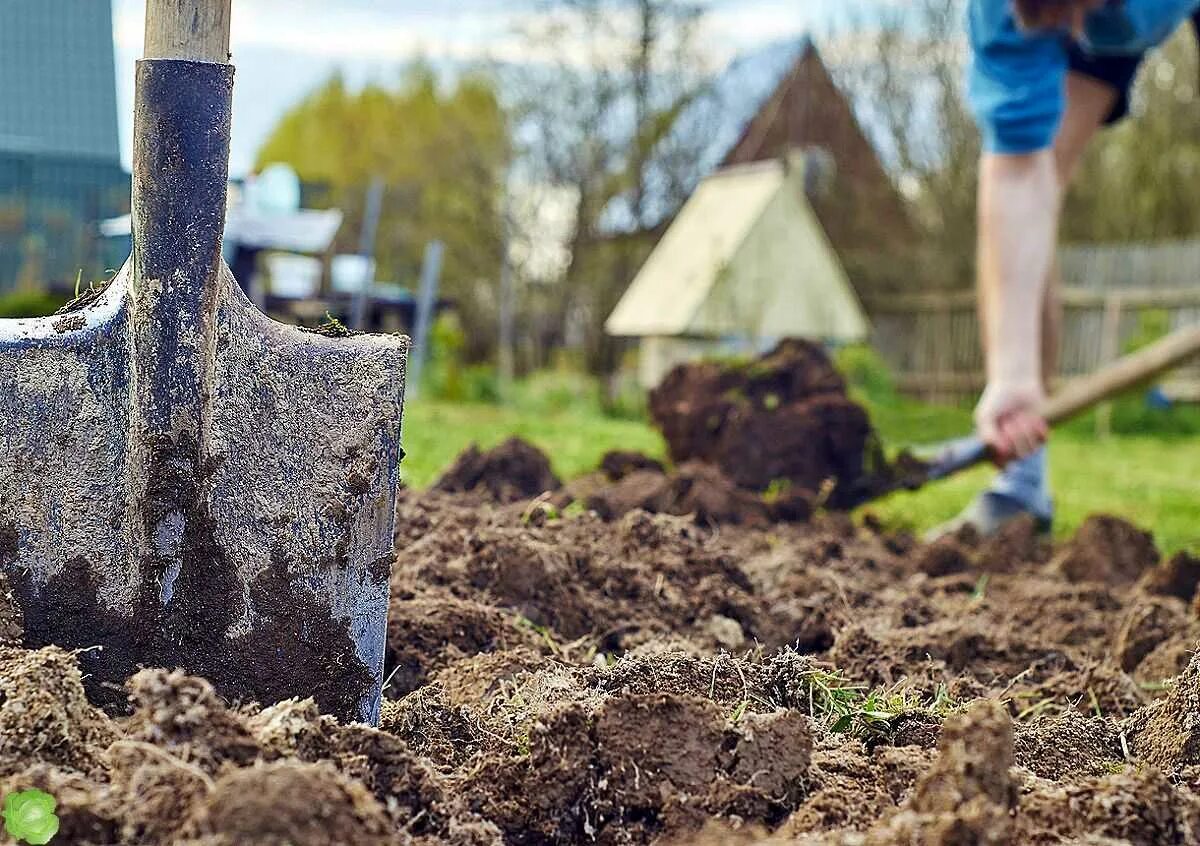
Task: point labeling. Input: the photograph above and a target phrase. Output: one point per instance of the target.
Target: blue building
(60, 163)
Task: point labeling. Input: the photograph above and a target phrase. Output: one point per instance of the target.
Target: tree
(442, 152)
(600, 109)
(1138, 183)
(905, 74)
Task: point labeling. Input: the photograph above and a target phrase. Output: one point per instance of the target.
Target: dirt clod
(968, 795)
(618, 464)
(514, 471)
(45, 718)
(782, 418)
(1179, 576)
(1166, 733)
(286, 804)
(1107, 549)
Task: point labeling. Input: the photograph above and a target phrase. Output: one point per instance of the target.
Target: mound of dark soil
(784, 418)
(1108, 549)
(514, 471)
(1178, 577)
(288, 804)
(618, 464)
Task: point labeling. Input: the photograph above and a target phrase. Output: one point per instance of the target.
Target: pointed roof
(746, 256)
(742, 91)
(57, 79)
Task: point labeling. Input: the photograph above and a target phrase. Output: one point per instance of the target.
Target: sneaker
(987, 514)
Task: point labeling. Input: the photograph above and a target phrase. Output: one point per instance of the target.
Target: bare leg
(1089, 103)
(1022, 486)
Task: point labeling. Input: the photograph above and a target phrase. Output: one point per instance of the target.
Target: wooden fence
(931, 340)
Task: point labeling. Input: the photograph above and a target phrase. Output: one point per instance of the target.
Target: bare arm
(1019, 202)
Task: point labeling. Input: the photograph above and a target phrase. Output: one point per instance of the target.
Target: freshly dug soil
(514, 471)
(763, 442)
(781, 420)
(654, 679)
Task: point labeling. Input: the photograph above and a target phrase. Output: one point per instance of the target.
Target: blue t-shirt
(1017, 79)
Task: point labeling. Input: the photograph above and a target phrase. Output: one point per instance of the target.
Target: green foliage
(1137, 183)
(1132, 413)
(29, 304)
(1154, 324)
(846, 708)
(866, 372)
(1134, 416)
(481, 383)
(29, 816)
(445, 365)
(559, 391)
(442, 152)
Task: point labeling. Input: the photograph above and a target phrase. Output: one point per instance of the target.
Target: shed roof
(746, 255)
(680, 273)
(57, 79)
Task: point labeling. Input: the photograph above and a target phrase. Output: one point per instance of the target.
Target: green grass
(1151, 481)
(436, 432)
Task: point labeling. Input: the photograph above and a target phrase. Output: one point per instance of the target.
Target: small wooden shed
(745, 263)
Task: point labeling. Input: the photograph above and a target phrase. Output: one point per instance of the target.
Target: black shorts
(1119, 72)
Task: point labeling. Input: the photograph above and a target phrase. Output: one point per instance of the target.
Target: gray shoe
(987, 514)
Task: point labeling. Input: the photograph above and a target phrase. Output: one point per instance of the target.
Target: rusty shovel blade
(185, 483)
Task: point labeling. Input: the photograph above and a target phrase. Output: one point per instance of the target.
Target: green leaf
(882, 716)
(842, 725)
(29, 816)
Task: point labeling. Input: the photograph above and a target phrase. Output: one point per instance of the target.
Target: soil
(649, 679)
(781, 420)
(671, 664)
(511, 472)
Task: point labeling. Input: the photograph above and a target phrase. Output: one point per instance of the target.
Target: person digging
(1045, 77)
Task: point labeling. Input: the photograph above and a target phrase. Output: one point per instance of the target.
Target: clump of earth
(753, 443)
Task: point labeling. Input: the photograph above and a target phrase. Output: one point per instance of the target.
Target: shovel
(932, 464)
(183, 482)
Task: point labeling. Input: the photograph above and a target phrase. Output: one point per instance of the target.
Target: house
(864, 215)
(850, 237)
(744, 263)
(60, 163)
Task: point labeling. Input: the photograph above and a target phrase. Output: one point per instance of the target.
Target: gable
(864, 212)
(785, 280)
(695, 252)
(747, 257)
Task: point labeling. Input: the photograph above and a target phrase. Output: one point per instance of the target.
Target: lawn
(1153, 482)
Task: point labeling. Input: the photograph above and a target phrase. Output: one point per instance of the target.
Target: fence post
(1110, 342)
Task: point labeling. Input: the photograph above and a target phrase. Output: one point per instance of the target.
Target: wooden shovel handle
(197, 30)
(1081, 394)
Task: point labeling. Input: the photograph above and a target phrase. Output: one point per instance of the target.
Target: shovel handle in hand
(1079, 395)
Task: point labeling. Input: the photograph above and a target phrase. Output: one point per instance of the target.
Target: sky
(284, 48)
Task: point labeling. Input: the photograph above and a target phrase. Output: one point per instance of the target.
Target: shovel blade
(270, 534)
